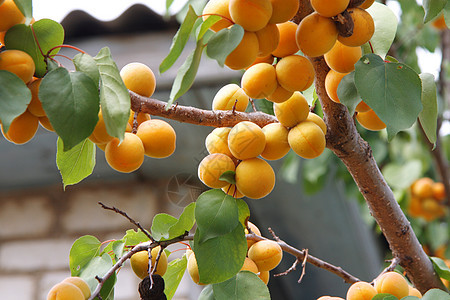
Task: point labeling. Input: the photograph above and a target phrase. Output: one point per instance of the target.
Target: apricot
(139, 262)
(255, 178)
(287, 44)
(188, 252)
(439, 23)
(361, 291)
(246, 140)
(81, 284)
(245, 53)
(295, 73)
(292, 111)
(158, 138)
(439, 191)
(45, 122)
(232, 191)
(249, 265)
(279, 95)
(328, 8)
(307, 140)
(217, 141)
(100, 135)
(277, 144)
(414, 292)
(342, 58)
(316, 35)
(369, 120)
(220, 8)
(126, 156)
(266, 254)
(332, 81)
(10, 15)
(431, 209)
(259, 80)
(283, 10)
(268, 39)
(212, 167)
(139, 78)
(141, 117)
(330, 298)
(362, 107)
(392, 283)
(312, 117)
(254, 229)
(366, 4)
(262, 59)
(363, 28)
(229, 96)
(264, 276)
(17, 62)
(2, 37)
(422, 187)
(35, 105)
(192, 268)
(65, 291)
(415, 207)
(22, 128)
(252, 15)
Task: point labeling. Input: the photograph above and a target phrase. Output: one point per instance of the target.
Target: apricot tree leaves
(166, 227)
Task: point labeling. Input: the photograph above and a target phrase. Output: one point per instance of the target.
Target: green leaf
(15, 97)
(428, 116)
(77, 163)
(222, 43)
(165, 227)
(49, 34)
(216, 214)
(245, 285)
(384, 297)
(228, 176)
(207, 293)
(185, 222)
(210, 21)
(348, 94)
(243, 211)
(389, 88)
(441, 268)
(402, 175)
(133, 237)
(26, 8)
(435, 294)
(114, 96)
(186, 73)
(432, 8)
(220, 258)
(160, 226)
(173, 275)
(264, 105)
(85, 63)
(99, 266)
(70, 100)
(179, 40)
(410, 298)
(82, 252)
(168, 4)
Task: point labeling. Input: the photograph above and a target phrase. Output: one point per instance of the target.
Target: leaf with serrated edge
(428, 115)
(173, 275)
(245, 285)
(222, 43)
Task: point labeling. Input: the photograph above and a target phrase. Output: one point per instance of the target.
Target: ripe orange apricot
(332, 81)
(330, 298)
(366, 4)
(283, 10)
(262, 59)
(10, 15)
(307, 140)
(245, 53)
(312, 117)
(65, 291)
(259, 80)
(264, 276)
(392, 283)
(295, 73)
(369, 120)
(100, 134)
(246, 140)
(232, 191)
(139, 78)
(2, 37)
(342, 58)
(158, 138)
(126, 156)
(139, 262)
(255, 178)
(279, 95)
(312, 27)
(439, 23)
(229, 96)
(217, 141)
(19, 63)
(141, 117)
(192, 268)
(35, 105)
(22, 128)
(363, 28)
(212, 167)
(422, 187)
(252, 15)
(266, 254)
(254, 229)
(361, 291)
(45, 122)
(414, 292)
(277, 144)
(268, 39)
(221, 8)
(292, 111)
(81, 284)
(439, 191)
(329, 8)
(249, 265)
(362, 107)
(287, 44)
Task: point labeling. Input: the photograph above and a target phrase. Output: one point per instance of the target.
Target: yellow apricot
(189, 252)
(220, 8)
(361, 291)
(249, 265)
(232, 191)
(328, 8)
(217, 141)
(439, 191)
(245, 53)
(363, 28)
(279, 95)
(332, 81)
(268, 39)
(259, 81)
(316, 35)
(277, 144)
(266, 254)
(392, 283)
(369, 120)
(252, 15)
(126, 156)
(262, 59)
(431, 209)
(414, 292)
(422, 187)
(255, 230)
(192, 268)
(246, 140)
(139, 78)
(100, 135)
(283, 10)
(141, 117)
(2, 37)
(342, 58)
(264, 276)
(17, 62)
(362, 107)
(366, 4)
(255, 178)
(158, 138)
(139, 262)
(307, 140)
(35, 105)
(312, 117)
(81, 284)
(45, 122)
(295, 73)
(229, 96)
(287, 44)
(65, 291)
(292, 111)
(10, 15)
(212, 167)
(22, 128)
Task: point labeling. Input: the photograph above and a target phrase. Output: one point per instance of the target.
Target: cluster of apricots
(74, 288)
(427, 199)
(140, 263)
(387, 283)
(10, 15)
(262, 257)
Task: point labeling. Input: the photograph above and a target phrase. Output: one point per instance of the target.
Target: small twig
(150, 268)
(304, 265)
(292, 268)
(233, 110)
(253, 105)
(274, 235)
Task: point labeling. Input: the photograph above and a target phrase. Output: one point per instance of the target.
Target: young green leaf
(165, 227)
(264, 105)
(133, 237)
(210, 21)
(428, 116)
(174, 273)
(160, 226)
(441, 268)
(245, 285)
(435, 294)
(99, 266)
(26, 8)
(85, 63)
(228, 176)
(432, 8)
(76, 163)
(185, 222)
(348, 94)
(222, 43)
(82, 252)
